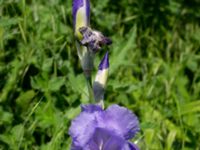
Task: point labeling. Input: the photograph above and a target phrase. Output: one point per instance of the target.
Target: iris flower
(98, 129)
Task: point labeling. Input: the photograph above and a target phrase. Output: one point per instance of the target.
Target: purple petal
(82, 128)
(121, 120)
(88, 9)
(78, 4)
(109, 129)
(91, 108)
(74, 147)
(104, 64)
(106, 140)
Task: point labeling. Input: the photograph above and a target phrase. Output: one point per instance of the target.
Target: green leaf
(24, 99)
(190, 107)
(55, 83)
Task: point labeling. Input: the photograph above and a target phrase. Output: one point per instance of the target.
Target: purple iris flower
(98, 129)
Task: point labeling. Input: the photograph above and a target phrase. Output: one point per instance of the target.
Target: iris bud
(101, 79)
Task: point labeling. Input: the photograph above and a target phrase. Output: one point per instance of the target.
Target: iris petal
(82, 128)
(91, 108)
(122, 121)
(106, 140)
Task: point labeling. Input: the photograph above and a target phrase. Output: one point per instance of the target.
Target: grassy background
(154, 71)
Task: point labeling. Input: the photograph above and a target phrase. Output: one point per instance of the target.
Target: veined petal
(121, 120)
(106, 140)
(82, 128)
(75, 147)
(81, 15)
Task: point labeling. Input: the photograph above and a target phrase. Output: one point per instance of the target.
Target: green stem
(90, 90)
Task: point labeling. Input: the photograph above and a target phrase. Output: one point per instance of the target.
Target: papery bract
(93, 39)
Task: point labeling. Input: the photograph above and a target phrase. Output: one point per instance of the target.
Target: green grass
(154, 71)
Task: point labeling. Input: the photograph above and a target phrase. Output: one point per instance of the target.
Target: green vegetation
(154, 71)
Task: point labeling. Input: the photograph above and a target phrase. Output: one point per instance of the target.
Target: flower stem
(89, 86)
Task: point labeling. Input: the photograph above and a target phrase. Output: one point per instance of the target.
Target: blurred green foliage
(154, 71)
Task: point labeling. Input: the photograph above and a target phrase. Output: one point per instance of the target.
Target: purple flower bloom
(98, 129)
(93, 39)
